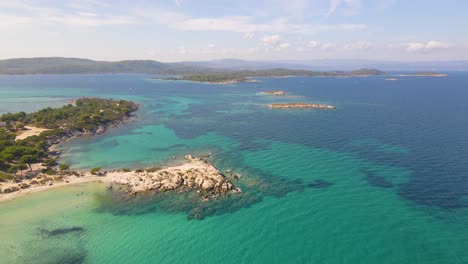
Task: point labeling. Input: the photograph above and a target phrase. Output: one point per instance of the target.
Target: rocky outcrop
(275, 93)
(197, 174)
(301, 105)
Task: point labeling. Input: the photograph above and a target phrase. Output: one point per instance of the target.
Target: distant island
(232, 77)
(300, 105)
(424, 74)
(187, 72)
(214, 78)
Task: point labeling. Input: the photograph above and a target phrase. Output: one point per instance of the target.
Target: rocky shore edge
(300, 105)
(54, 142)
(196, 174)
(278, 92)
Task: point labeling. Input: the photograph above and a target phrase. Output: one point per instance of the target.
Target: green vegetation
(49, 171)
(154, 169)
(49, 162)
(63, 167)
(5, 177)
(58, 65)
(242, 76)
(216, 77)
(190, 71)
(87, 116)
(96, 170)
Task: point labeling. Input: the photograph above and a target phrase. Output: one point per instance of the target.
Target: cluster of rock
(197, 174)
(301, 105)
(275, 92)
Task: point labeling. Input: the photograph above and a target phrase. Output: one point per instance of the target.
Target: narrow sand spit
(195, 173)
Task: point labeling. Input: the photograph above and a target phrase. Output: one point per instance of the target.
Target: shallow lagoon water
(381, 179)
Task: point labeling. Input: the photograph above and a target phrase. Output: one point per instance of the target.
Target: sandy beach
(69, 180)
(31, 131)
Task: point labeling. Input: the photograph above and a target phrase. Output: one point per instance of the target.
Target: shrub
(5, 177)
(154, 169)
(49, 171)
(95, 171)
(64, 166)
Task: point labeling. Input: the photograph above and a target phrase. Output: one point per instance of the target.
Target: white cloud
(242, 24)
(333, 6)
(88, 20)
(271, 40)
(182, 50)
(179, 2)
(284, 45)
(359, 45)
(329, 46)
(353, 5)
(248, 35)
(24, 6)
(87, 4)
(313, 44)
(7, 21)
(80, 14)
(73, 13)
(211, 46)
(436, 45)
(226, 51)
(426, 47)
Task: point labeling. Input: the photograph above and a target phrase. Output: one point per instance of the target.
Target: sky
(187, 30)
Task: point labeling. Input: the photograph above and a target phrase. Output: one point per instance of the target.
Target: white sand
(31, 131)
(39, 188)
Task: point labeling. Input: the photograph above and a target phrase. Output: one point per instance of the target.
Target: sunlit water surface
(381, 179)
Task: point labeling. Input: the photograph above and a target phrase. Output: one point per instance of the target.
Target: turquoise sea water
(382, 179)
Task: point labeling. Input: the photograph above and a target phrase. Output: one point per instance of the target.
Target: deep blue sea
(381, 179)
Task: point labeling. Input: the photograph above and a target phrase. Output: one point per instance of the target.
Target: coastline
(423, 75)
(300, 106)
(41, 177)
(5, 197)
(194, 174)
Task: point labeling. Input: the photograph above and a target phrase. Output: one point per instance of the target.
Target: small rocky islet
(300, 105)
(278, 92)
(294, 105)
(196, 174)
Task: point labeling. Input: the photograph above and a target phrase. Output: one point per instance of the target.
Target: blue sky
(179, 30)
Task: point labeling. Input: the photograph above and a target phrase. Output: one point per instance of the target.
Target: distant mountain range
(59, 65)
(333, 65)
